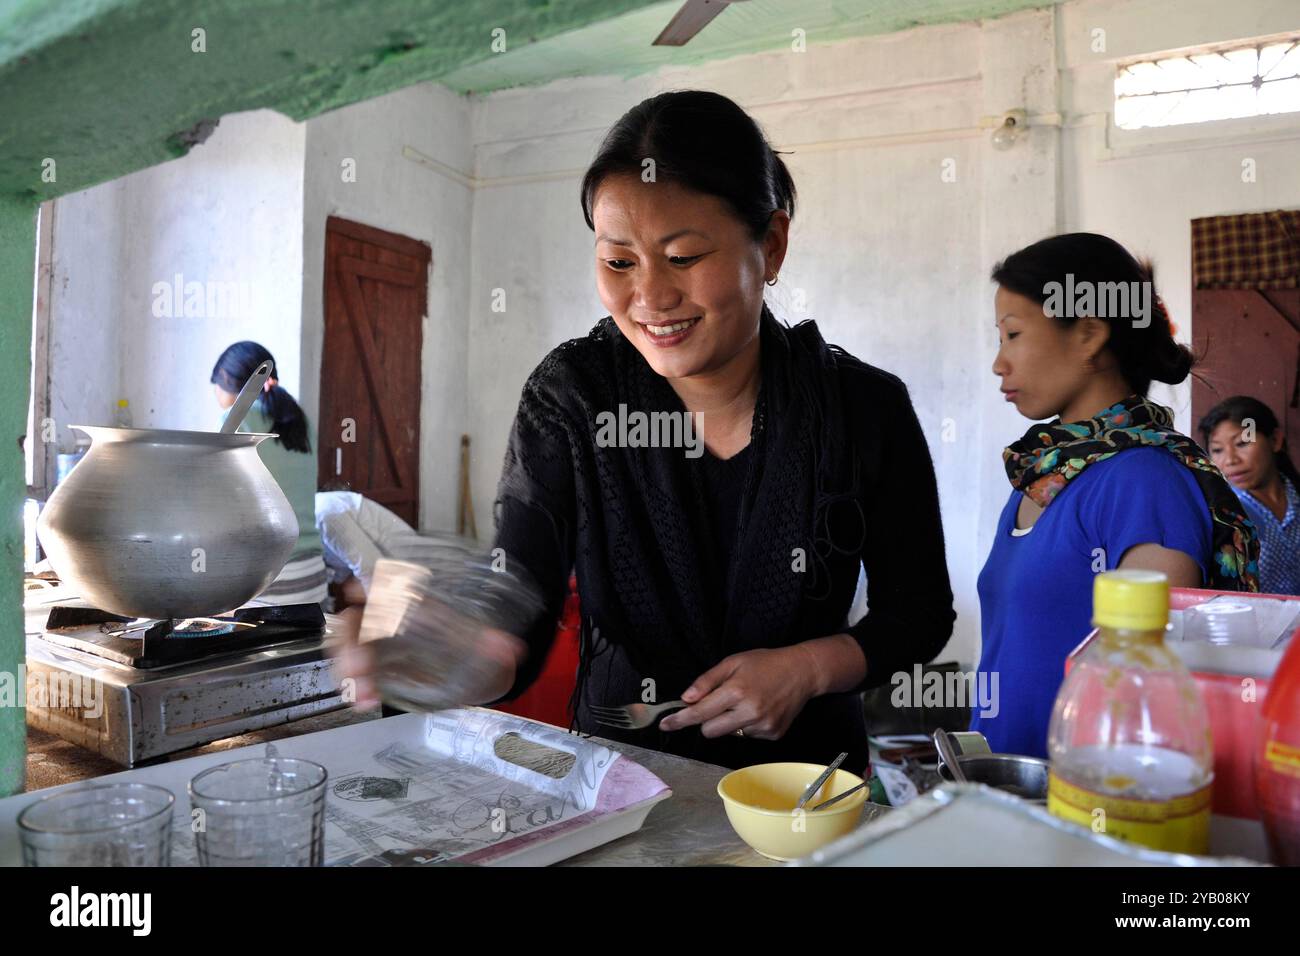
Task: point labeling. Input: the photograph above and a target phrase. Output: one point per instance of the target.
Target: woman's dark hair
(233, 369)
(704, 142)
(1242, 408)
(1143, 344)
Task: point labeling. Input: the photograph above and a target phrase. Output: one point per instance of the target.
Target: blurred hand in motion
(353, 661)
(362, 665)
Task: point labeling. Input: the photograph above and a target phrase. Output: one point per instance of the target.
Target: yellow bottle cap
(1132, 600)
(122, 403)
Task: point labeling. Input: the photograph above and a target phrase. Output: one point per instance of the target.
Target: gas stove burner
(202, 627)
(142, 643)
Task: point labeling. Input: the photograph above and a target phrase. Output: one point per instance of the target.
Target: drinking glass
(107, 824)
(264, 811)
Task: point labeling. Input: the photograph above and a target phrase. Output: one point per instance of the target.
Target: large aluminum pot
(168, 524)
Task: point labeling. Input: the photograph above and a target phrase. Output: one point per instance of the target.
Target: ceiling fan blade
(693, 17)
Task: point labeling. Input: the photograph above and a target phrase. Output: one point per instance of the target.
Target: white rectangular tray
(430, 788)
(974, 825)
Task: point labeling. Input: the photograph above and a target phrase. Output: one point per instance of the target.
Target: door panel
(376, 295)
(1250, 343)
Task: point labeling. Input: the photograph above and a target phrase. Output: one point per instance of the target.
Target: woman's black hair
(1242, 408)
(702, 141)
(233, 369)
(1143, 344)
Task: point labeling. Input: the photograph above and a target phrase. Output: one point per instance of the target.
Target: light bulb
(1005, 136)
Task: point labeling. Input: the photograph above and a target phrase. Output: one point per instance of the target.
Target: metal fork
(633, 716)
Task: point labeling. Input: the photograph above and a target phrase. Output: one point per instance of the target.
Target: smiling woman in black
(723, 578)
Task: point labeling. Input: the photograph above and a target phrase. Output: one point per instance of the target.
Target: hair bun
(1173, 364)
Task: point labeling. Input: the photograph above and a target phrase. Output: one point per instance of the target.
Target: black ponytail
(288, 420)
(1143, 344)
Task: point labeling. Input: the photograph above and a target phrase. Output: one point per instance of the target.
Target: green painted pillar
(17, 275)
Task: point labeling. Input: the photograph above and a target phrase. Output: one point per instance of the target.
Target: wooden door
(376, 296)
(1251, 346)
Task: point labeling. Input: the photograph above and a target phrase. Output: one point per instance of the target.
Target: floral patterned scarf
(1050, 454)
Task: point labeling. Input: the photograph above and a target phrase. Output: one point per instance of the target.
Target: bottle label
(1283, 758)
(1178, 825)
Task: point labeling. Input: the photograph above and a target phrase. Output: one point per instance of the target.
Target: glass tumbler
(264, 811)
(107, 824)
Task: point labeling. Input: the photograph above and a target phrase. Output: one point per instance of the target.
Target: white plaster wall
(429, 202)
(249, 206)
(84, 293)
(228, 212)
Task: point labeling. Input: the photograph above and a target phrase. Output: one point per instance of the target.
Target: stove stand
(137, 699)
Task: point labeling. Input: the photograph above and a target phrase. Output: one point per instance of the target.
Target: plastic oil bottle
(1130, 736)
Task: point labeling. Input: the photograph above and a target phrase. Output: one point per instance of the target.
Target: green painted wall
(106, 87)
(17, 267)
(621, 45)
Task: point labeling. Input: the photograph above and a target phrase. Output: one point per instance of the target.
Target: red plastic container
(1277, 761)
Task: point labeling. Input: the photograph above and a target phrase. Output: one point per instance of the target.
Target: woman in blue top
(1245, 440)
(1107, 483)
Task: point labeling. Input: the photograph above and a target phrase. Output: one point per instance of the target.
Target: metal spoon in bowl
(840, 796)
(816, 784)
(247, 395)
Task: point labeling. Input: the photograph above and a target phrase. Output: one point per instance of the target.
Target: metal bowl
(1025, 777)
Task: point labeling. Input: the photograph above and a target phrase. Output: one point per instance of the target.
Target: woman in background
(289, 458)
(1106, 483)
(1243, 437)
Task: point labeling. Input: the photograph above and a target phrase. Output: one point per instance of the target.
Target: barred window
(1224, 82)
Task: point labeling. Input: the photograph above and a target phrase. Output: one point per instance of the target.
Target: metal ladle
(247, 395)
(948, 755)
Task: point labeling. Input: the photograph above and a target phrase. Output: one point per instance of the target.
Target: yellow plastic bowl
(760, 805)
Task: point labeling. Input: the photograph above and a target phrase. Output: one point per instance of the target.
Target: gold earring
(772, 281)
